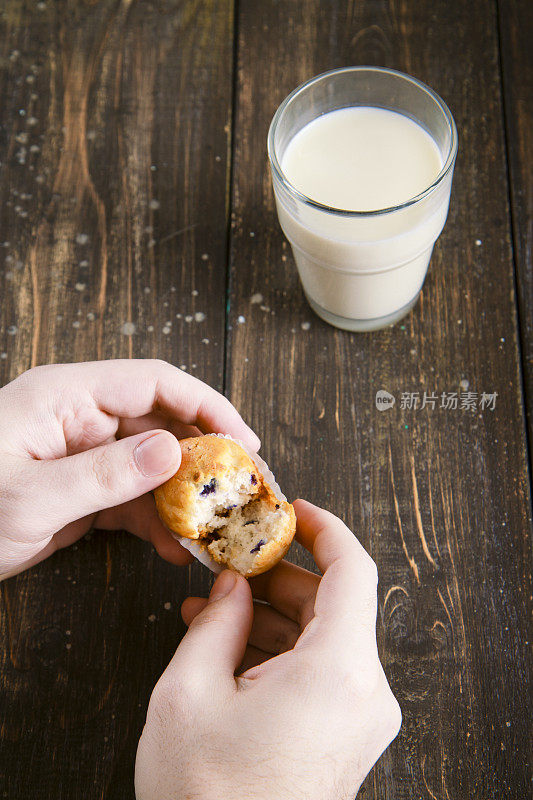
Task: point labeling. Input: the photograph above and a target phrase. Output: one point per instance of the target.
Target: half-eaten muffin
(219, 499)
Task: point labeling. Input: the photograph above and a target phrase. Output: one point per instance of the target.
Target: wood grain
(516, 24)
(114, 214)
(439, 497)
(114, 159)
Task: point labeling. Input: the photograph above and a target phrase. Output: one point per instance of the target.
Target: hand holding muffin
(102, 434)
(285, 698)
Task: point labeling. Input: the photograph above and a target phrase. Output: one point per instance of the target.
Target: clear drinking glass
(362, 270)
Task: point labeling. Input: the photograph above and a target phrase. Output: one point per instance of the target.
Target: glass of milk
(362, 162)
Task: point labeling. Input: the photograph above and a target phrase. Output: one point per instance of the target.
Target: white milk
(371, 266)
(361, 159)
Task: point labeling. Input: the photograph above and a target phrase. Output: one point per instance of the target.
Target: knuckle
(36, 388)
(26, 388)
(35, 377)
(36, 373)
(14, 480)
(227, 402)
(212, 397)
(208, 618)
(105, 477)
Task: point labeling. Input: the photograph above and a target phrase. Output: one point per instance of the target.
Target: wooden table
(136, 199)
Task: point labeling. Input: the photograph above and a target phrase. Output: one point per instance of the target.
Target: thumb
(214, 645)
(74, 486)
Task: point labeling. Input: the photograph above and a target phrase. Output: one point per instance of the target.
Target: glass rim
(280, 175)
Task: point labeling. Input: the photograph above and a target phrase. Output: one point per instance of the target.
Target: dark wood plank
(516, 25)
(113, 146)
(440, 498)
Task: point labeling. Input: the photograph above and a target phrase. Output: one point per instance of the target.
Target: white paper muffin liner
(193, 545)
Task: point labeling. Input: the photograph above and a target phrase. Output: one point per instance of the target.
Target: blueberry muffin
(221, 502)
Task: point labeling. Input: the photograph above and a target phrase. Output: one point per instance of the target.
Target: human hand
(63, 469)
(289, 701)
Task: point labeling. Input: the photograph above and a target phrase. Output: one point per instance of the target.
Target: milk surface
(366, 268)
(361, 159)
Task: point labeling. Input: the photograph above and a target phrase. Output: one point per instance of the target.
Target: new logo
(384, 400)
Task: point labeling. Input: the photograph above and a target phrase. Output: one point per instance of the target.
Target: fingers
(271, 632)
(341, 605)
(149, 422)
(135, 387)
(167, 547)
(140, 517)
(253, 657)
(215, 643)
(346, 601)
(103, 477)
(326, 536)
(289, 589)
(191, 607)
